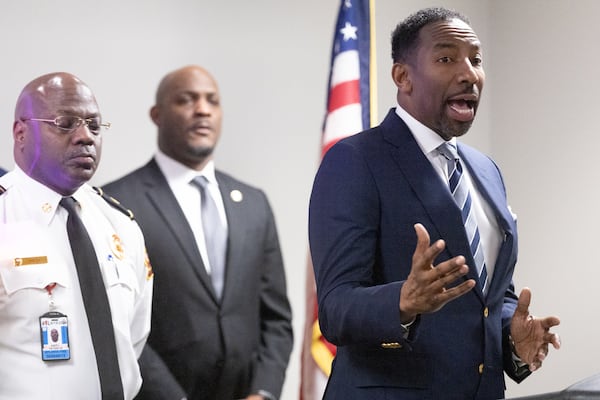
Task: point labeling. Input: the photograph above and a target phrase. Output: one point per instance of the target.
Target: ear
(19, 131)
(400, 76)
(154, 115)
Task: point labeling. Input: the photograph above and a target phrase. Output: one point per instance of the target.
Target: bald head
(60, 159)
(188, 115)
(177, 78)
(39, 94)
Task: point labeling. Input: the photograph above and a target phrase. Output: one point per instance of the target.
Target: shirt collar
(426, 138)
(41, 200)
(179, 174)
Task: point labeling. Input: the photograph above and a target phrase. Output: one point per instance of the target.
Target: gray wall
(271, 58)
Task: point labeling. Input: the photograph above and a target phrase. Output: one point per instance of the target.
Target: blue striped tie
(462, 196)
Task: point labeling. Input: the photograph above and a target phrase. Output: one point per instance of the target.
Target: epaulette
(115, 203)
(2, 189)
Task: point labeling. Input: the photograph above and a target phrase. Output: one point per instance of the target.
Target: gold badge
(117, 246)
(236, 195)
(149, 271)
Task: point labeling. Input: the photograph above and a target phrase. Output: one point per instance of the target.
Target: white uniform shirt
(32, 224)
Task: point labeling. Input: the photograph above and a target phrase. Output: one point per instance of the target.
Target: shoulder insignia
(115, 203)
(2, 189)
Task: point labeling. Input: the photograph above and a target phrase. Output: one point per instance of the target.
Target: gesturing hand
(425, 289)
(532, 335)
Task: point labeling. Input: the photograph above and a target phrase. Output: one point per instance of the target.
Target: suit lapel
(486, 178)
(163, 200)
(444, 214)
(235, 210)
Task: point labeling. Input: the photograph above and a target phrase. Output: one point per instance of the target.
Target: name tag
(20, 261)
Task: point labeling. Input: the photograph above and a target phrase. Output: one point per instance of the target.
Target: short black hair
(406, 34)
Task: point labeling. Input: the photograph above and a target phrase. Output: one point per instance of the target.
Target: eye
(477, 61)
(183, 99)
(67, 123)
(445, 60)
(94, 124)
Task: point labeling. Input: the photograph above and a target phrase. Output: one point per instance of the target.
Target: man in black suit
(228, 341)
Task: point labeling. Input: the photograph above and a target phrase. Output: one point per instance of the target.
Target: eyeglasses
(70, 123)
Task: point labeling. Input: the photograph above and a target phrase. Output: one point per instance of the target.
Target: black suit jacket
(200, 347)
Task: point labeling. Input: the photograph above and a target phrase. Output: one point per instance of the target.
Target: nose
(202, 106)
(469, 73)
(83, 135)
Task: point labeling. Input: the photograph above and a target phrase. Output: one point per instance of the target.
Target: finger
(542, 352)
(422, 238)
(456, 291)
(452, 268)
(449, 272)
(424, 252)
(549, 322)
(555, 340)
(524, 301)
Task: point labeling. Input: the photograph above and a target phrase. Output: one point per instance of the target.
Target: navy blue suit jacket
(370, 190)
(2, 171)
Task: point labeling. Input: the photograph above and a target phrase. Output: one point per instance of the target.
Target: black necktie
(96, 304)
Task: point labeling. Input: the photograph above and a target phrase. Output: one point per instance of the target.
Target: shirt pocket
(120, 274)
(25, 262)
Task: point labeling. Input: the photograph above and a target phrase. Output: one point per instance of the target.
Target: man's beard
(201, 152)
(449, 129)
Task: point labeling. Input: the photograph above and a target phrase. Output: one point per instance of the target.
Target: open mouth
(462, 109)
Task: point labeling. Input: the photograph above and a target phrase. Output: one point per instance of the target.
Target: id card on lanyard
(54, 332)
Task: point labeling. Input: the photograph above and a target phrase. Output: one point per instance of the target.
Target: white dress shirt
(490, 232)
(32, 224)
(188, 196)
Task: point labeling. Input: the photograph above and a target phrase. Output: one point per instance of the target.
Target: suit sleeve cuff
(266, 395)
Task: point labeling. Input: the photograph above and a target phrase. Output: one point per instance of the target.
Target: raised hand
(532, 335)
(427, 288)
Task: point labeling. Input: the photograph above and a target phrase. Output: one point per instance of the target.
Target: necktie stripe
(460, 190)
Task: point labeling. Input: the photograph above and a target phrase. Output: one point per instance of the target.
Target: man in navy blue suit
(397, 285)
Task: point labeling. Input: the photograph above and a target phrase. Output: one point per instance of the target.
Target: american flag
(351, 108)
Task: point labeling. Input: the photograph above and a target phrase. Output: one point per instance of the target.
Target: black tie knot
(69, 203)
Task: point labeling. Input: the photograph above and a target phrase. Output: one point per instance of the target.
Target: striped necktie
(461, 192)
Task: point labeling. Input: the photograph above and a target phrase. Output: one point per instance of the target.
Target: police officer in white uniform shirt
(45, 341)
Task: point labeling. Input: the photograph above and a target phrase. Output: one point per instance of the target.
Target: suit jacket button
(480, 368)
(486, 312)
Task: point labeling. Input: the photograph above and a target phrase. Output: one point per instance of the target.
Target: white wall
(271, 58)
(545, 137)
